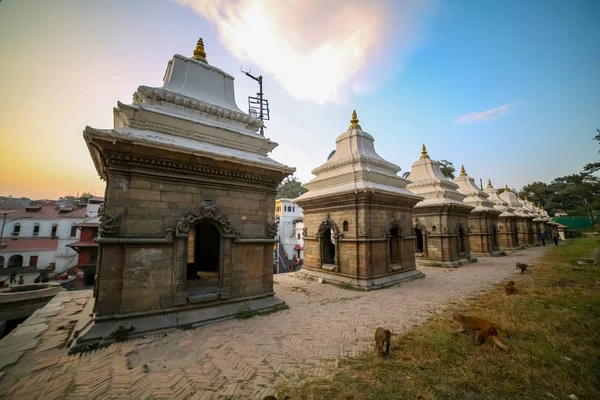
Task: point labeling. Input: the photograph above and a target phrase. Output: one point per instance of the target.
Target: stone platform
(92, 333)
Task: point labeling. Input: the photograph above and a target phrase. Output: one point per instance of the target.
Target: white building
(37, 235)
(290, 219)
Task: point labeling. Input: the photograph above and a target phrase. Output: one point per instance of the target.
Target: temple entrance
(420, 241)
(204, 242)
(395, 253)
(516, 236)
(327, 248)
(461, 241)
(494, 237)
(15, 261)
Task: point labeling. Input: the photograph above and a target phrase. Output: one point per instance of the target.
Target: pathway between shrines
(237, 358)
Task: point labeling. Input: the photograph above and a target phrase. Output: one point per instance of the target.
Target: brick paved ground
(241, 359)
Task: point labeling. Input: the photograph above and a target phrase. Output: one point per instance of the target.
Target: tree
(539, 192)
(290, 188)
(594, 167)
(447, 168)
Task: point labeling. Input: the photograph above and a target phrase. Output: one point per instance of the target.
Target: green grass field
(554, 325)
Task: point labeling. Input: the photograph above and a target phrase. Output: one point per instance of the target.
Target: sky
(507, 88)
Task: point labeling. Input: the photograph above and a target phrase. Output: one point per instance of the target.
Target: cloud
(484, 116)
(317, 50)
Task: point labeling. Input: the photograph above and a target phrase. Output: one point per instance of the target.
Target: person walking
(556, 239)
(543, 237)
(21, 280)
(13, 277)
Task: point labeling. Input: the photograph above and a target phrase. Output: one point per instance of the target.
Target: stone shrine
(529, 216)
(441, 220)
(507, 236)
(483, 219)
(187, 231)
(358, 217)
(520, 220)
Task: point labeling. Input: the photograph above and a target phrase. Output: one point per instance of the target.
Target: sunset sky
(508, 88)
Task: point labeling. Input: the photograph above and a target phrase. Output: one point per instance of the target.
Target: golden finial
(424, 152)
(462, 171)
(506, 189)
(526, 198)
(199, 53)
(489, 183)
(354, 121)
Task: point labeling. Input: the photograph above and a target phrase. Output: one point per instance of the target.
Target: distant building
(290, 219)
(38, 235)
(560, 213)
(87, 250)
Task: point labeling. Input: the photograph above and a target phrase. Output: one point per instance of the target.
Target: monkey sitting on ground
(510, 288)
(483, 327)
(383, 338)
(274, 398)
(522, 266)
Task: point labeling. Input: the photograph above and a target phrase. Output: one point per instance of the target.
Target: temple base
(425, 262)
(91, 333)
(362, 283)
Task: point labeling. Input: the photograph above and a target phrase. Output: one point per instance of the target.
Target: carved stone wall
(442, 225)
(484, 234)
(363, 251)
(144, 271)
(506, 233)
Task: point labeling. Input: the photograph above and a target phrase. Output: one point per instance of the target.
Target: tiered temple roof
(513, 202)
(499, 204)
(474, 196)
(428, 181)
(356, 167)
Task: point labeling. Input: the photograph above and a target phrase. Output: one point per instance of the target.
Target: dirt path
(244, 358)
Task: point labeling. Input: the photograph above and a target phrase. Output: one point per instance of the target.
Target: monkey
(383, 337)
(483, 327)
(270, 397)
(510, 288)
(522, 267)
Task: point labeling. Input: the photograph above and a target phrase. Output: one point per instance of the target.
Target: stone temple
(441, 220)
(520, 221)
(358, 217)
(483, 219)
(187, 231)
(506, 220)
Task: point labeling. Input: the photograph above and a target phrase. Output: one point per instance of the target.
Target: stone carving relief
(272, 229)
(329, 224)
(205, 211)
(109, 224)
(363, 231)
(394, 223)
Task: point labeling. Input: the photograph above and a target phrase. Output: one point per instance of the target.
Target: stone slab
(24, 330)
(11, 339)
(98, 332)
(366, 284)
(10, 359)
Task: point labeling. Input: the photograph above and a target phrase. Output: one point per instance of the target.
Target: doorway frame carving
(204, 212)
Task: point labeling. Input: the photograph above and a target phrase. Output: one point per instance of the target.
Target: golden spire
(489, 183)
(462, 171)
(199, 53)
(354, 121)
(506, 189)
(526, 198)
(424, 152)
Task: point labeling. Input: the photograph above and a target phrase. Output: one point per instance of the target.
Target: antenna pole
(261, 115)
(481, 183)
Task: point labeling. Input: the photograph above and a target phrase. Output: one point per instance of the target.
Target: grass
(554, 325)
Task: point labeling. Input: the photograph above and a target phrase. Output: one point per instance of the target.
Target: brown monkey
(522, 266)
(383, 337)
(483, 327)
(274, 398)
(510, 288)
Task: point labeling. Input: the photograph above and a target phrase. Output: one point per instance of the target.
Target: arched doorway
(1, 262)
(395, 250)
(420, 240)
(327, 248)
(461, 240)
(494, 237)
(15, 261)
(204, 242)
